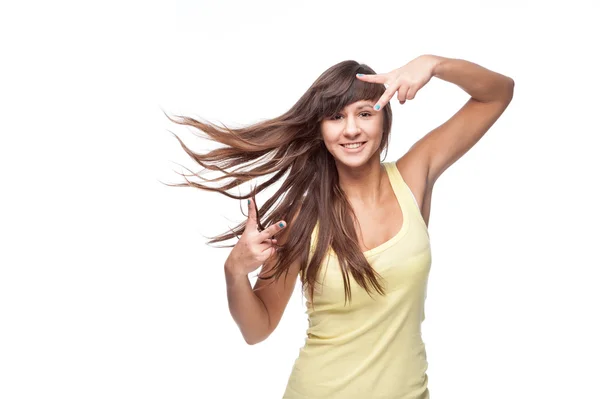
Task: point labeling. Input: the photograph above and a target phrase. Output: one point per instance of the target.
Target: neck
(362, 185)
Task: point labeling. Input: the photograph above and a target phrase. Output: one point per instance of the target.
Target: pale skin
(363, 180)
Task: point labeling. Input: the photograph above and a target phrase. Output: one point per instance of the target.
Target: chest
(380, 224)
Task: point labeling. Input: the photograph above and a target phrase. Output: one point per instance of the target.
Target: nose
(351, 128)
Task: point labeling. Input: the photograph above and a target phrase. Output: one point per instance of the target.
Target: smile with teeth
(353, 145)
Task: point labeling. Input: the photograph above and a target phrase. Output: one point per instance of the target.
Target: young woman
(353, 228)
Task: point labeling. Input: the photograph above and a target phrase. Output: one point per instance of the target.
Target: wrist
(436, 64)
(232, 272)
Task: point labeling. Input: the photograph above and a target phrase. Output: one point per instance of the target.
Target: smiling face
(356, 123)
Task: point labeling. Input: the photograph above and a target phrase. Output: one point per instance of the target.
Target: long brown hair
(292, 142)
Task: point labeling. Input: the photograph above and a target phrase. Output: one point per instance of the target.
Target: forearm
(480, 83)
(247, 310)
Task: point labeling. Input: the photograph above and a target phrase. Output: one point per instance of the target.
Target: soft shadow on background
(107, 288)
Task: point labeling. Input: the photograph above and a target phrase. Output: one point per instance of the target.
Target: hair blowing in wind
(291, 147)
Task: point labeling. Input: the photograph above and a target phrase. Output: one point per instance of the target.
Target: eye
(335, 117)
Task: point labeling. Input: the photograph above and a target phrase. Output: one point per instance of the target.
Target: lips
(354, 150)
(359, 142)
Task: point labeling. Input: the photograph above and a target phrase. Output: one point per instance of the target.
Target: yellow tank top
(372, 347)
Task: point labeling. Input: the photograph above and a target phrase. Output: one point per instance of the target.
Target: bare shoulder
(413, 167)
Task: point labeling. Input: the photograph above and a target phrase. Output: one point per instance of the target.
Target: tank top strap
(404, 194)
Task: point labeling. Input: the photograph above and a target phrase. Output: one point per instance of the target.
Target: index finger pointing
(385, 98)
(376, 78)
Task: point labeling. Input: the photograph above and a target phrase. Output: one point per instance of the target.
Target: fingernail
(377, 107)
(281, 225)
(360, 74)
(248, 202)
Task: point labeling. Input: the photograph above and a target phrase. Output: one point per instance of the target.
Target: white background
(107, 288)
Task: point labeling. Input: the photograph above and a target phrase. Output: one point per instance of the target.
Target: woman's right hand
(254, 247)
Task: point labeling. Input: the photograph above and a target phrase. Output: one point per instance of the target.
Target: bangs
(350, 90)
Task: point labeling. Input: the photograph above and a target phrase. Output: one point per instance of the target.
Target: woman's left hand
(406, 80)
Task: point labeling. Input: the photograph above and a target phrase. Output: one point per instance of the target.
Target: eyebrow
(364, 106)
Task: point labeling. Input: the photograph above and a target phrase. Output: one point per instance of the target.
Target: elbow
(505, 94)
(256, 339)
(251, 341)
(258, 332)
(511, 87)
